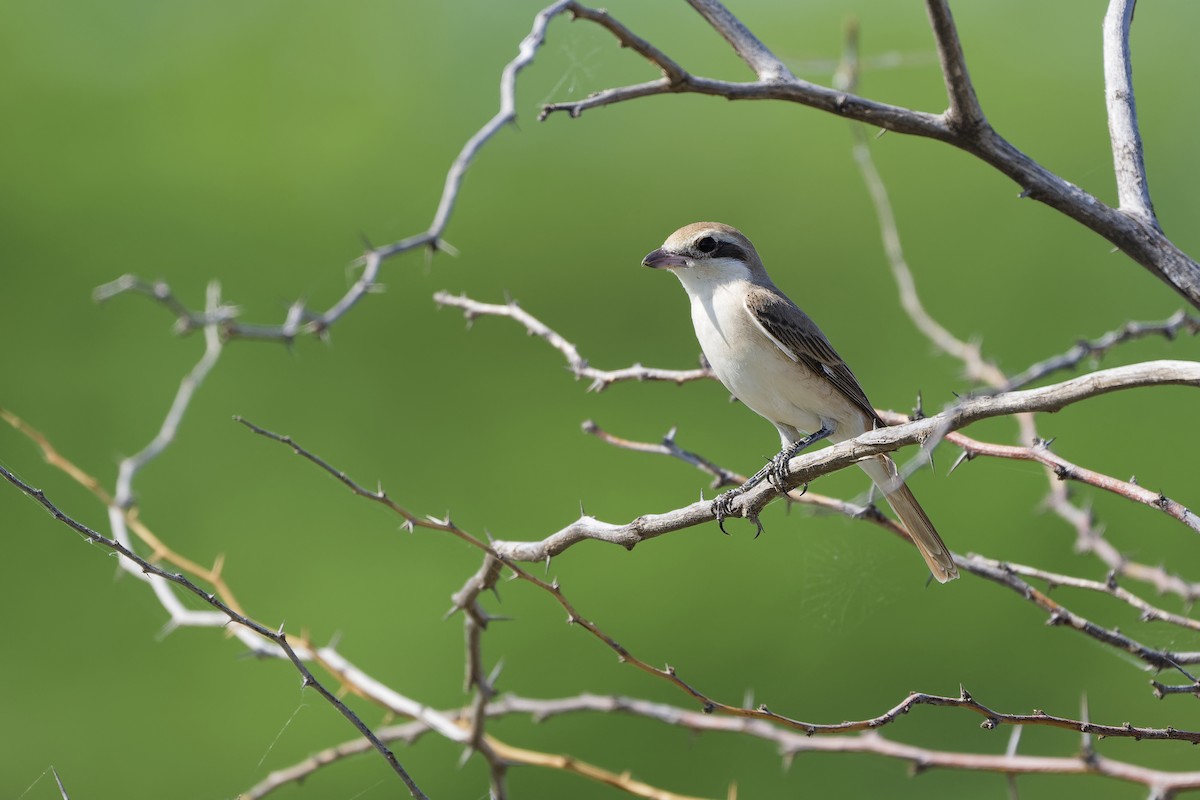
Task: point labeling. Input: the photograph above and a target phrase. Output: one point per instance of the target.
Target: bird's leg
(776, 470)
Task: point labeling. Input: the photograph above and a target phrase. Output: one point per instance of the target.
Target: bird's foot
(722, 508)
(778, 472)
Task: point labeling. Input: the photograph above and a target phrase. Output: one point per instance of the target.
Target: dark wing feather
(800, 337)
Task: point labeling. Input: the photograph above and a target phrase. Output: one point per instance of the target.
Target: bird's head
(706, 252)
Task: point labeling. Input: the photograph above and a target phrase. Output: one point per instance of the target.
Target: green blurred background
(257, 143)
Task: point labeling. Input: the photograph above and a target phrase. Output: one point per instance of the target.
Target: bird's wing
(802, 341)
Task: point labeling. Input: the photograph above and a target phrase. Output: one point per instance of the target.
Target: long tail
(883, 472)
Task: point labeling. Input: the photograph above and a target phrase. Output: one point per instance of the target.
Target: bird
(773, 358)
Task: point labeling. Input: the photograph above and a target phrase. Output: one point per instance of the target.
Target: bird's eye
(706, 245)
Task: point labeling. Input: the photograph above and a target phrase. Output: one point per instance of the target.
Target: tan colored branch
(618, 780)
(159, 550)
(515, 756)
(277, 637)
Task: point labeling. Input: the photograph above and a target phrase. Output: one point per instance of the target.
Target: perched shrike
(773, 358)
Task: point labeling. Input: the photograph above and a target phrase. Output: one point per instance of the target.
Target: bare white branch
(749, 47)
(187, 388)
(600, 379)
(1129, 166)
(301, 320)
(792, 742)
(386, 697)
(506, 114)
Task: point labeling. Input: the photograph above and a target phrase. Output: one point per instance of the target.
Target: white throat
(704, 278)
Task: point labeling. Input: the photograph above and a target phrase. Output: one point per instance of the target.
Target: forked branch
(1131, 228)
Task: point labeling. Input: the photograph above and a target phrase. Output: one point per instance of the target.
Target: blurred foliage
(258, 143)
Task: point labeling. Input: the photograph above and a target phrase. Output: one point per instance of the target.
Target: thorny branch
(276, 637)
(1130, 170)
(300, 319)
(1058, 469)
(1065, 470)
(652, 525)
(789, 742)
(1108, 586)
(498, 554)
(809, 466)
(1084, 349)
(219, 323)
(448, 725)
(1039, 452)
(978, 368)
(600, 379)
(159, 551)
(1001, 572)
(499, 754)
(723, 477)
(649, 526)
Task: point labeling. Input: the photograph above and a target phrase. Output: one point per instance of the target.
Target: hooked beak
(660, 259)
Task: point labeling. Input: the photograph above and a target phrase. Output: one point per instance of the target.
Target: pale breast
(755, 369)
